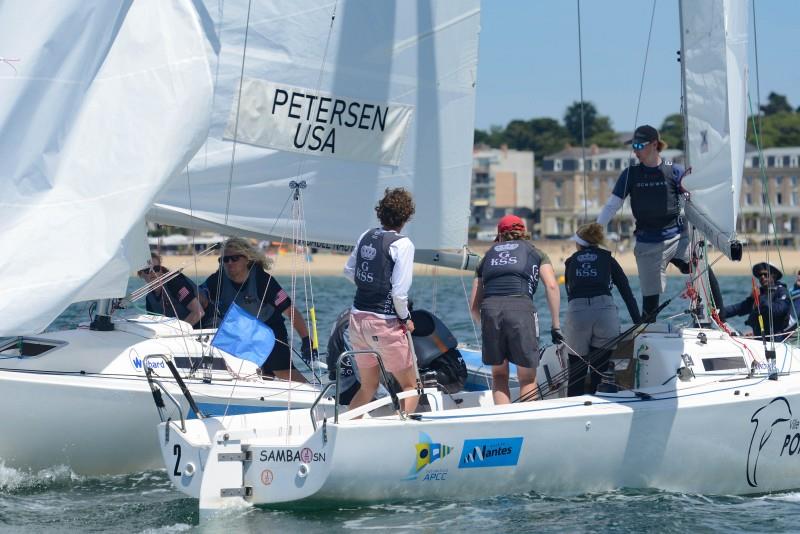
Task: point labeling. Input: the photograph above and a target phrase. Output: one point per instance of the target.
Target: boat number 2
(176, 451)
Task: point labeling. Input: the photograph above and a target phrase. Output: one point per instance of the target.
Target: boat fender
(303, 471)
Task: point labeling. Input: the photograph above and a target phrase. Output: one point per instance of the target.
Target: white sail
(714, 59)
(98, 111)
(387, 89)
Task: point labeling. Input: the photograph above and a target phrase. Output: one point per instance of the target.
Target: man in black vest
(382, 265)
(175, 298)
(654, 186)
(771, 306)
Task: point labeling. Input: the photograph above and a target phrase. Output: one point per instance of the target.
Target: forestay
(714, 60)
(98, 110)
(352, 97)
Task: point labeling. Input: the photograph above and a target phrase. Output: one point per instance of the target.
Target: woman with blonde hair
(592, 319)
(243, 279)
(502, 301)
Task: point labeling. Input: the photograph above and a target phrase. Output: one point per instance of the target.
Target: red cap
(510, 223)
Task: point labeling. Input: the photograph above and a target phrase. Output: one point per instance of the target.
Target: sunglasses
(150, 270)
(640, 146)
(762, 273)
(231, 258)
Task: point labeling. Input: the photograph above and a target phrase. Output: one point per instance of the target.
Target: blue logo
(157, 364)
(497, 452)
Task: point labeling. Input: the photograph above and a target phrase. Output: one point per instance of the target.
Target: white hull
(87, 403)
(719, 431)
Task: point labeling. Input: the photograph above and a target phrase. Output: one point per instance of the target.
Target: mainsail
(714, 62)
(351, 97)
(98, 111)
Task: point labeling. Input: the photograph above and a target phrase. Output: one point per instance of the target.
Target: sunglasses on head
(231, 258)
(640, 146)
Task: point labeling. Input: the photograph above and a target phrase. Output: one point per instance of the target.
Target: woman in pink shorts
(381, 265)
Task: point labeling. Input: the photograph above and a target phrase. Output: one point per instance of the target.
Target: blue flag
(244, 336)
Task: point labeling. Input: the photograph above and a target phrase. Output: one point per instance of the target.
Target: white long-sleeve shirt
(402, 252)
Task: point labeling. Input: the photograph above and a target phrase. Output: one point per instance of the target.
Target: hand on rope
(307, 351)
(556, 336)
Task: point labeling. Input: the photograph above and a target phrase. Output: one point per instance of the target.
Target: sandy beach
(328, 264)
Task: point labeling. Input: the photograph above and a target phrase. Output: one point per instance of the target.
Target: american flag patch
(183, 293)
(280, 297)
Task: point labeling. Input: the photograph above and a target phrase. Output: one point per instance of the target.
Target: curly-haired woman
(381, 266)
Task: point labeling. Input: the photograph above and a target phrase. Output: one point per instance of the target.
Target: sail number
(176, 451)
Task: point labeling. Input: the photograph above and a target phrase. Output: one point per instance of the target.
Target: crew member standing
(661, 236)
(382, 266)
(592, 319)
(502, 301)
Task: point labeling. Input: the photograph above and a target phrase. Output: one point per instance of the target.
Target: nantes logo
(502, 452)
(428, 452)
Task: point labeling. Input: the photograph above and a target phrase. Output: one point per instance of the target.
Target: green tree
(671, 130)
(494, 137)
(594, 125)
(548, 137)
(776, 104)
(779, 129)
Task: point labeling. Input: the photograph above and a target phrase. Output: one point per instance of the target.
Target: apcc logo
(428, 453)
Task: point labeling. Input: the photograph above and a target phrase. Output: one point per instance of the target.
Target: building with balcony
(502, 182)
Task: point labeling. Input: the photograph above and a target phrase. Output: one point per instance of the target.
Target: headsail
(714, 62)
(100, 110)
(385, 88)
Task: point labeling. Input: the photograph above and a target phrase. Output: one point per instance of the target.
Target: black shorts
(510, 331)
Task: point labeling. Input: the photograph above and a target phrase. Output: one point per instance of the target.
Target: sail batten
(714, 62)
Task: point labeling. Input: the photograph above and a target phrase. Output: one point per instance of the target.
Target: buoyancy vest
(511, 268)
(169, 307)
(247, 297)
(373, 276)
(431, 337)
(588, 273)
(655, 197)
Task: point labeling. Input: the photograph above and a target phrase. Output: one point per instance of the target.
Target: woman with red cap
(502, 301)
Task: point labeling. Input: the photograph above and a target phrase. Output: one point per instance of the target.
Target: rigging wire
(583, 121)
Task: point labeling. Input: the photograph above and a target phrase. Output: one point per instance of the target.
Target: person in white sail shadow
(382, 267)
(175, 298)
(592, 319)
(654, 185)
(243, 279)
(502, 301)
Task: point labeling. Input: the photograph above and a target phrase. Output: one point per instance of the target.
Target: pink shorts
(386, 336)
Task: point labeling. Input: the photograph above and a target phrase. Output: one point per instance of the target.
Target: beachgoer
(382, 265)
(774, 303)
(592, 319)
(502, 301)
(654, 186)
(243, 278)
(174, 298)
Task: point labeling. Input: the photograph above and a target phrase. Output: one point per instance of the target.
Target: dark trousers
(578, 371)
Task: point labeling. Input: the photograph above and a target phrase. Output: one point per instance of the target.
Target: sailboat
(155, 111)
(697, 409)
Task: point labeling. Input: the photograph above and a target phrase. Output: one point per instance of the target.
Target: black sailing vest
(511, 268)
(588, 273)
(247, 298)
(655, 197)
(169, 307)
(373, 276)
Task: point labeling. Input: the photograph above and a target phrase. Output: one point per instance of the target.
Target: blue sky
(528, 59)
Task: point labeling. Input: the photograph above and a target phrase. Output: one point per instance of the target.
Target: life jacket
(373, 276)
(169, 307)
(780, 322)
(247, 297)
(655, 197)
(588, 273)
(431, 337)
(511, 268)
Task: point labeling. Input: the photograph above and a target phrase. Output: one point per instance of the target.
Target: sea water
(57, 500)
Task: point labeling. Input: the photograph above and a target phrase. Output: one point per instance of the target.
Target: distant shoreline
(328, 264)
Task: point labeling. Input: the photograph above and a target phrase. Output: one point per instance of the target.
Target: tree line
(778, 124)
